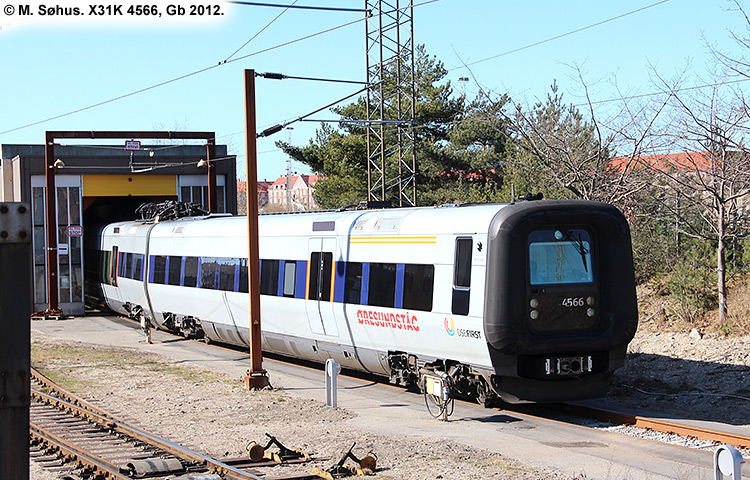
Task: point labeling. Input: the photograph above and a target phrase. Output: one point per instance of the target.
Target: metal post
(728, 461)
(15, 297)
(51, 215)
(212, 198)
(332, 374)
(256, 376)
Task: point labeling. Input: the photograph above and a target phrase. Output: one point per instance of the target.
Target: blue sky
(53, 67)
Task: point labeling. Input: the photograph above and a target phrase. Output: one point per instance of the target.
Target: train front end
(560, 302)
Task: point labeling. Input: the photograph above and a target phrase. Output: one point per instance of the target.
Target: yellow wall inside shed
(129, 185)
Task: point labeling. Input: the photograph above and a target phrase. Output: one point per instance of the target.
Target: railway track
(662, 426)
(601, 414)
(77, 440)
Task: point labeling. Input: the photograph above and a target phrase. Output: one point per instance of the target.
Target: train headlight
(590, 301)
(534, 314)
(590, 312)
(534, 303)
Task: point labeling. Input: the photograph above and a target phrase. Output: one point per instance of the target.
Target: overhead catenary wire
(202, 70)
(301, 7)
(259, 31)
(562, 35)
(322, 32)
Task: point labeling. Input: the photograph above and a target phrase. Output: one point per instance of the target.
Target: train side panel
(525, 302)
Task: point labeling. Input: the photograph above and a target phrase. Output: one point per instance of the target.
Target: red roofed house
(274, 194)
(683, 162)
(302, 189)
(242, 196)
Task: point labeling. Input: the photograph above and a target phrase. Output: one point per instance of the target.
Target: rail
(81, 409)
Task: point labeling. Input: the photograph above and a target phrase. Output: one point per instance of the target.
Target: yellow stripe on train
(396, 239)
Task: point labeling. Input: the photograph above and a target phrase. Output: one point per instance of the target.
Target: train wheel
(485, 396)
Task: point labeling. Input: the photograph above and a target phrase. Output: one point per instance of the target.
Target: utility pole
(256, 377)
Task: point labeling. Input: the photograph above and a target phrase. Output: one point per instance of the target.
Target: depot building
(100, 184)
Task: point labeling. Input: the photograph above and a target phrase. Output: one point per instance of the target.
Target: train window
(418, 283)
(321, 266)
(174, 270)
(226, 273)
(243, 275)
(462, 277)
(104, 267)
(160, 269)
(208, 272)
(269, 277)
(382, 285)
(129, 258)
(113, 269)
(290, 275)
(121, 264)
(138, 268)
(462, 272)
(191, 272)
(353, 283)
(560, 256)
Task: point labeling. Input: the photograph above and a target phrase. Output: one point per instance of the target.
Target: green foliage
(558, 152)
(460, 148)
(691, 281)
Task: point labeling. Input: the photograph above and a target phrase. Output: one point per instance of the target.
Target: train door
(320, 283)
(109, 269)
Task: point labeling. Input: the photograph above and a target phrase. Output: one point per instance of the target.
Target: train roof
(456, 219)
(452, 218)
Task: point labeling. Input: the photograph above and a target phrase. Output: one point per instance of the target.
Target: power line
(302, 7)
(73, 112)
(167, 82)
(259, 31)
(665, 92)
(556, 37)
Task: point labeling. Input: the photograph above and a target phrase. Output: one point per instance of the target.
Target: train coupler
(258, 453)
(365, 466)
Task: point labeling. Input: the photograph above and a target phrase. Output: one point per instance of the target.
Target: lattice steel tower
(391, 99)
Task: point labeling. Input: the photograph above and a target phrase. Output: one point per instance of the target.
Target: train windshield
(560, 256)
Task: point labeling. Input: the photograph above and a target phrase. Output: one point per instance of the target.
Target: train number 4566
(571, 302)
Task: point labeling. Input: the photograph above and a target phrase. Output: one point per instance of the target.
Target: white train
(532, 301)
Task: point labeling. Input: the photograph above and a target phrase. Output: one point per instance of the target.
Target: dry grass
(738, 301)
(660, 311)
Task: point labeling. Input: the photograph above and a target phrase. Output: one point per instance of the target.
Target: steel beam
(15, 311)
